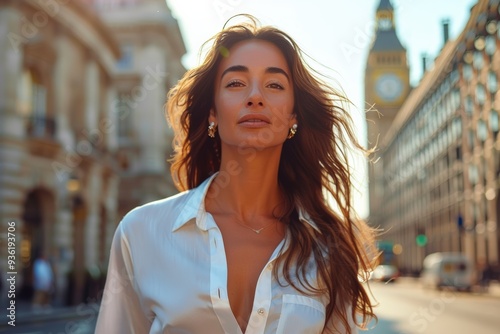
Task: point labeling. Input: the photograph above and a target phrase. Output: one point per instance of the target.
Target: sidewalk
(25, 314)
(493, 288)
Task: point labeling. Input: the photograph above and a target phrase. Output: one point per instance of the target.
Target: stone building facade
(61, 147)
(152, 48)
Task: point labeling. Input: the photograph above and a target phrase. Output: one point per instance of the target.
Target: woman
(252, 245)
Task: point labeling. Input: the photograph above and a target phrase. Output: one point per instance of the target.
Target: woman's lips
(253, 123)
(254, 120)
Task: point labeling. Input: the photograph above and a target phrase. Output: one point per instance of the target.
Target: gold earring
(211, 130)
(292, 131)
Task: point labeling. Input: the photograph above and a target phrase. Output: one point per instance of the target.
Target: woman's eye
(275, 85)
(234, 83)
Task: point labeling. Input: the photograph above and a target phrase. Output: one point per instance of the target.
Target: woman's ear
(211, 116)
(292, 121)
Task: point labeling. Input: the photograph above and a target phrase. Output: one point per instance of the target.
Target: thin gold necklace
(253, 229)
(258, 230)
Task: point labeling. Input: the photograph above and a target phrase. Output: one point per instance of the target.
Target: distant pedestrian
(43, 281)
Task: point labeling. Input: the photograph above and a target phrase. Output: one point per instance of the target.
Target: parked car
(452, 269)
(385, 273)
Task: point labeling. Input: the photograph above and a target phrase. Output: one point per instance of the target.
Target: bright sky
(337, 35)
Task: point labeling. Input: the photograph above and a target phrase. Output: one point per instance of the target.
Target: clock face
(389, 87)
(385, 24)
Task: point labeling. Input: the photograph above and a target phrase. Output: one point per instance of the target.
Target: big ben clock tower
(387, 85)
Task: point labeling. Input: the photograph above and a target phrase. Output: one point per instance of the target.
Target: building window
(124, 112)
(478, 60)
(473, 174)
(32, 104)
(456, 99)
(494, 122)
(33, 95)
(448, 105)
(467, 72)
(459, 153)
(492, 82)
(480, 94)
(25, 94)
(454, 76)
(469, 106)
(482, 130)
(127, 59)
(491, 45)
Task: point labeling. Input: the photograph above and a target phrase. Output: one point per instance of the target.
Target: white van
(453, 270)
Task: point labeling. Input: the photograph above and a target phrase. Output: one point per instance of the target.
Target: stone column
(12, 123)
(63, 242)
(62, 91)
(94, 188)
(153, 127)
(11, 55)
(12, 129)
(92, 85)
(109, 125)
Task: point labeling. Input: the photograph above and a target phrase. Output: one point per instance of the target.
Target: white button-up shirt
(168, 274)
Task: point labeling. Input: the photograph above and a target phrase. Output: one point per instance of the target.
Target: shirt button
(261, 311)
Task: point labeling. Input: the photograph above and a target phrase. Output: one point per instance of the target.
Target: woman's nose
(255, 97)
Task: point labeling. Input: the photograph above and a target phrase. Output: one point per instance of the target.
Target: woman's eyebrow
(277, 70)
(235, 68)
(241, 68)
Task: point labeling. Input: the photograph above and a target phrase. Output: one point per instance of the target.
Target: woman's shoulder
(164, 214)
(161, 212)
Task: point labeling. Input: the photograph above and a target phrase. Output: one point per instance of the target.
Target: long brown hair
(312, 163)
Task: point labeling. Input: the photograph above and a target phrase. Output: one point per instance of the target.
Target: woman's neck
(247, 185)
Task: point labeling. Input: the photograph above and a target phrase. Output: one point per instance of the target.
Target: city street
(77, 325)
(406, 308)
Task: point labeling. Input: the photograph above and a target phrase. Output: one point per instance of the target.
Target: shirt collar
(194, 208)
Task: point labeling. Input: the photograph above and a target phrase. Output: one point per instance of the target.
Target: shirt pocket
(301, 315)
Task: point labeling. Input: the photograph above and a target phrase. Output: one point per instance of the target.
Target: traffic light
(421, 240)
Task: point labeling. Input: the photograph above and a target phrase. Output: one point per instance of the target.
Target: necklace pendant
(258, 231)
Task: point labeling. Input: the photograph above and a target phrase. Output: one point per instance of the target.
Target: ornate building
(387, 84)
(441, 155)
(152, 47)
(74, 83)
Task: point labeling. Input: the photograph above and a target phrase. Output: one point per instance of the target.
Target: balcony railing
(41, 134)
(41, 127)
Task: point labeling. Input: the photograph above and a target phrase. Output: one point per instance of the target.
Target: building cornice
(174, 39)
(63, 14)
